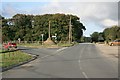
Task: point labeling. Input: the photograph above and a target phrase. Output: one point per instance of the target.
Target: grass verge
(37, 45)
(0, 51)
(32, 45)
(13, 58)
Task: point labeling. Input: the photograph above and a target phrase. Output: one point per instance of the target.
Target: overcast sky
(95, 15)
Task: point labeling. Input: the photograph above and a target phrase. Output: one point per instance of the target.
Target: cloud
(94, 15)
(87, 11)
(109, 22)
(59, 0)
(8, 10)
(97, 15)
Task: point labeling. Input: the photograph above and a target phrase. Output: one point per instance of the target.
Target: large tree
(94, 36)
(29, 27)
(112, 33)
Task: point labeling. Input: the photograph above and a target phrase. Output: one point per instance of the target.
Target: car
(115, 42)
(10, 46)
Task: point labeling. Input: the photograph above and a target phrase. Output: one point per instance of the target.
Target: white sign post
(55, 37)
(19, 40)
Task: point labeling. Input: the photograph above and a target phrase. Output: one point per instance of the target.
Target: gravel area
(109, 51)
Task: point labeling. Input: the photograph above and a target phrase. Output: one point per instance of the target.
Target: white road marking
(85, 74)
(82, 52)
(61, 49)
(55, 53)
(80, 63)
(45, 56)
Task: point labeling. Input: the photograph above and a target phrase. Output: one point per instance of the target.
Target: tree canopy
(108, 34)
(112, 33)
(94, 36)
(30, 27)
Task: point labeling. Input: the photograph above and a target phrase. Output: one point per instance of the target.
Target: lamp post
(42, 38)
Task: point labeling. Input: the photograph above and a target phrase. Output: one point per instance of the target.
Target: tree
(101, 37)
(30, 27)
(94, 36)
(112, 33)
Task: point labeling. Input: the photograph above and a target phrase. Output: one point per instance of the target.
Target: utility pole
(70, 31)
(42, 38)
(49, 41)
(49, 30)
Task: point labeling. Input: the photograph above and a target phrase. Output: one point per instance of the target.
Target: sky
(96, 15)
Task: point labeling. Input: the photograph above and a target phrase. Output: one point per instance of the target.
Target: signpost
(55, 37)
(19, 40)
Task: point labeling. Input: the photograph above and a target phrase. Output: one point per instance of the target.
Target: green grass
(65, 45)
(38, 45)
(0, 50)
(32, 45)
(11, 58)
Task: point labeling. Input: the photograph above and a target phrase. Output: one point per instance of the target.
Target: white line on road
(61, 49)
(85, 75)
(80, 63)
(45, 56)
(54, 52)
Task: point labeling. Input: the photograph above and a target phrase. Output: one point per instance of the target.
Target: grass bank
(12, 58)
(38, 45)
(0, 51)
(32, 45)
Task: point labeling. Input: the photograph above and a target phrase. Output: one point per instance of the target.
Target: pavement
(80, 61)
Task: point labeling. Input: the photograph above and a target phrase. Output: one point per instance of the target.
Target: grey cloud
(8, 10)
(95, 12)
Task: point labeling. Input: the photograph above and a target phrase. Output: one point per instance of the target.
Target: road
(79, 61)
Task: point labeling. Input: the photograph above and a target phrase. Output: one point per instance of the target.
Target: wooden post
(70, 31)
(49, 30)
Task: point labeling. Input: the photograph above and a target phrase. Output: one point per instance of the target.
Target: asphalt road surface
(79, 61)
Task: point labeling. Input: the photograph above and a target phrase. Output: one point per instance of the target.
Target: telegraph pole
(49, 41)
(70, 31)
(49, 30)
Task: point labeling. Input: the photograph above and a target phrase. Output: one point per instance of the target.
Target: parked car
(10, 46)
(115, 42)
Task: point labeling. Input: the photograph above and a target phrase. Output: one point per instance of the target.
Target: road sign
(53, 36)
